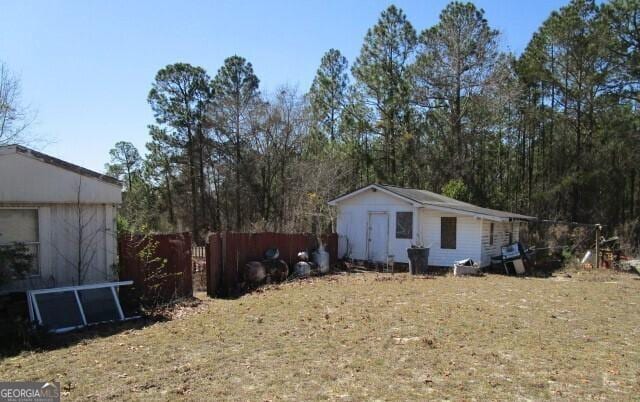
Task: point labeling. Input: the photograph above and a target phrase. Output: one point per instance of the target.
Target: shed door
(378, 236)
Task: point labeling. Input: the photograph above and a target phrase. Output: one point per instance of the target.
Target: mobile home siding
(49, 184)
(58, 190)
(97, 242)
(59, 244)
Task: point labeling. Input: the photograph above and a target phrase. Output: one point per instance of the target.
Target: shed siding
(59, 244)
(26, 179)
(472, 231)
(500, 238)
(353, 220)
(468, 233)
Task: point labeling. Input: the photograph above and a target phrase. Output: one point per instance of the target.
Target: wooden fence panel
(214, 264)
(163, 274)
(230, 251)
(198, 252)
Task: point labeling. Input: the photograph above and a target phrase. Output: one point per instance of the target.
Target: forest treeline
(553, 132)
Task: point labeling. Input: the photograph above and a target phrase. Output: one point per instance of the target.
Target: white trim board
(376, 188)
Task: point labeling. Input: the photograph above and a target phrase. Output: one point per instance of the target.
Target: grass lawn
(371, 336)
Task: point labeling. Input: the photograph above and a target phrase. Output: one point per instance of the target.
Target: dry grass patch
(370, 336)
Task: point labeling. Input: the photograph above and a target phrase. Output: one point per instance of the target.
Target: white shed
(380, 221)
(63, 213)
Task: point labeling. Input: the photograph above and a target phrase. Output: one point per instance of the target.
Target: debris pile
(272, 269)
(466, 267)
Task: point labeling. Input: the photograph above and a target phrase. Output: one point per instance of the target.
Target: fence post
(213, 270)
(223, 263)
(207, 264)
(188, 283)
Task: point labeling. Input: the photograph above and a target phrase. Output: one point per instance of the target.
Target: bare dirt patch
(361, 337)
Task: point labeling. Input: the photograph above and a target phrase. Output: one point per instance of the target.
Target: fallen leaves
(364, 338)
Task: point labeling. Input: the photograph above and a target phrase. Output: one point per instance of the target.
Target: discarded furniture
(513, 257)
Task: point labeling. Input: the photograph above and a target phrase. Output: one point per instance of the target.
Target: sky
(86, 67)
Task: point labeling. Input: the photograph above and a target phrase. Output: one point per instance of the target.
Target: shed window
(404, 225)
(20, 226)
(491, 234)
(448, 232)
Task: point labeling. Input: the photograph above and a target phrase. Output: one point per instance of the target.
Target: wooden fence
(158, 265)
(198, 252)
(228, 252)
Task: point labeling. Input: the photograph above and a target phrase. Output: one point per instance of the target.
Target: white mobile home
(378, 222)
(63, 213)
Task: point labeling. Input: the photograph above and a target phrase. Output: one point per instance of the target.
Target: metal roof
(428, 198)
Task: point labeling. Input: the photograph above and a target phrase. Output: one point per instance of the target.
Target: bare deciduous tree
(83, 229)
(15, 118)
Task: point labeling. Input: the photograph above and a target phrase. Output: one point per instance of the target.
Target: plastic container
(321, 257)
(418, 259)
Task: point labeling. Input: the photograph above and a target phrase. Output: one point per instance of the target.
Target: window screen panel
(18, 225)
(404, 225)
(98, 305)
(448, 227)
(59, 310)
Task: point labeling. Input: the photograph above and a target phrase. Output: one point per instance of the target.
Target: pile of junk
(514, 259)
(273, 269)
(609, 254)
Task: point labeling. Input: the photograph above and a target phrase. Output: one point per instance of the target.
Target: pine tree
(179, 97)
(328, 93)
(453, 72)
(236, 94)
(566, 68)
(126, 162)
(381, 72)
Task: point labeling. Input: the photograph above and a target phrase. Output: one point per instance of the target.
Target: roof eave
(477, 214)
